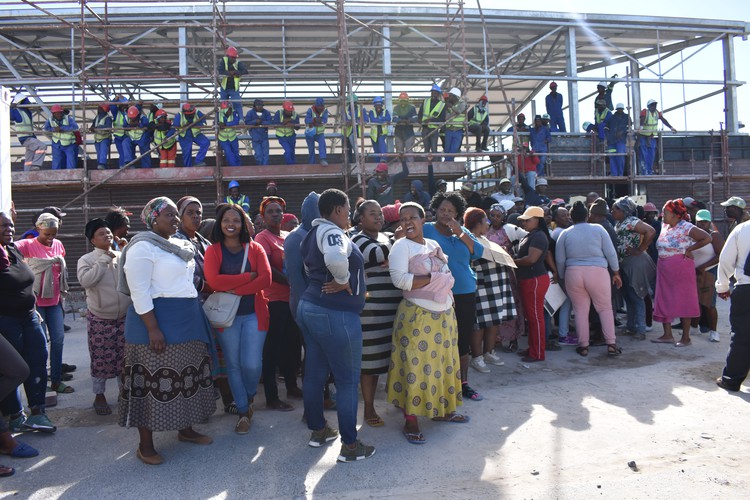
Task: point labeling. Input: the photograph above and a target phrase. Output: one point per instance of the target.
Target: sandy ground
(565, 428)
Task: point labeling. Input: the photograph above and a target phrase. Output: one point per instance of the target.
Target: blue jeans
(53, 318)
(234, 96)
(102, 151)
(563, 325)
(333, 343)
(453, 139)
(25, 334)
(636, 308)
(647, 153)
(242, 345)
(231, 151)
(320, 139)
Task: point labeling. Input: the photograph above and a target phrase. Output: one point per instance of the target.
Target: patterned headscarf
(153, 208)
(626, 205)
(183, 203)
(678, 208)
(267, 200)
(46, 221)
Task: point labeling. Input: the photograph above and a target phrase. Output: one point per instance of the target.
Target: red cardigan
(241, 283)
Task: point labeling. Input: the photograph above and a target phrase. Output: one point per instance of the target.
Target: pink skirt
(676, 293)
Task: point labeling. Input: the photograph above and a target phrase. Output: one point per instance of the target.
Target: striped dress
(381, 303)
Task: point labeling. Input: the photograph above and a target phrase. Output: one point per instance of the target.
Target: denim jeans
(333, 343)
(636, 308)
(563, 325)
(25, 334)
(53, 318)
(453, 140)
(242, 345)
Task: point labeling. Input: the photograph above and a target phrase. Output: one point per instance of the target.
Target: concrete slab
(565, 428)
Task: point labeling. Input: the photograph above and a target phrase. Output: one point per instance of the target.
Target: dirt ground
(564, 428)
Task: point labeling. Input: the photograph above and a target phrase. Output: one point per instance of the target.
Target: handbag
(221, 307)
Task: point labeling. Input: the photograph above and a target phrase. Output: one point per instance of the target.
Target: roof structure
(93, 50)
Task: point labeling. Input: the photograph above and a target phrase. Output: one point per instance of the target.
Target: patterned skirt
(168, 391)
(106, 346)
(424, 377)
(495, 302)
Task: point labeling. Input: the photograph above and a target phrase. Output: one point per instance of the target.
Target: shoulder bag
(221, 307)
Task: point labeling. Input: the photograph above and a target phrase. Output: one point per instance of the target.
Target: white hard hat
(650, 102)
(455, 92)
(620, 106)
(19, 97)
(601, 84)
(507, 204)
(586, 125)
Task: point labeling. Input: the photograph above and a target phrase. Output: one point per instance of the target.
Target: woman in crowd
(283, 347)
(328, 313)
(533, 279)
(676, 293)
(507, 236)
(165, 332)
(706, 261)
(584, 251)
(380, 304)
(98, 273)
(637, 269)
(241, 343)
(45, 255)
(20, 326)
(424, 375)
(494, 296)
(460, 246)
(118, 221)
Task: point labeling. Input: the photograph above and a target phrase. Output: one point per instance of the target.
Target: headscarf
(287, 217)
(267, 200)
(627, 205)
(153, 208)
(498, 207)
(93, 226)
(46, 221)
(390, 212)
(183, 203)
(677, 207)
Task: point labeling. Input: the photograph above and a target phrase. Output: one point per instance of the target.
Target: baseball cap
(542, 182)
(688, 201)
(467, 186)
(532, 212)
(441, 182)
(734, 201)
(504, 180)
(703, 215)
(382, 167)
(650, 207)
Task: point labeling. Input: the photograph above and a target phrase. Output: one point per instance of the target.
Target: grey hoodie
(292, 254)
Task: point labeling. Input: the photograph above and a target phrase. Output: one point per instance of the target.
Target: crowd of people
(421, 292)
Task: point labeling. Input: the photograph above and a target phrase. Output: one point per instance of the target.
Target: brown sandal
(582, 350)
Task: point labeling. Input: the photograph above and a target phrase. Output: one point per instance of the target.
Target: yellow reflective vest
(224, 78)
(432, 113)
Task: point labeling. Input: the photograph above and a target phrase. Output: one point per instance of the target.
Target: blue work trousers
(143, 145)
(647, 153)
(453, 139)
(321, 141)
(64, 157)
(288, 143)
(102, 152)
(186, 145)
(231, 151)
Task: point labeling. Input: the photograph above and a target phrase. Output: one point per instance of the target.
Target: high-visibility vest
(599, 116)
(161, 135)
(63, 138)
(226, 134)
(137, 133)
(320, 129)
(224, 78)
(101, 135)
(648, 127)
(25, 128)
(457, 122)
(377, 129)
(286, 131)
(357, 114)
(479, 116)
(428, 112)
(119, 124)
(184, 124)
(243, 202)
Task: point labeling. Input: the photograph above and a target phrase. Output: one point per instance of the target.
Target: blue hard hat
(234, 184)
(377, 100)
(436, 88)
(319, 101)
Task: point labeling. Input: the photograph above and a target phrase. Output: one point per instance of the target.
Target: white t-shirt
(398, 261)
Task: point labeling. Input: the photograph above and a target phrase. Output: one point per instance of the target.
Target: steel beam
(572, 70)
(182, 57)
(730, 96)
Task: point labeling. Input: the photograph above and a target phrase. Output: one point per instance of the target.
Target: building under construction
(82, 54)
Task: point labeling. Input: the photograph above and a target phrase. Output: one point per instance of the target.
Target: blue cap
(319, 101)
(234, 184)
(436, 88)
(377, 100)
(258, 102)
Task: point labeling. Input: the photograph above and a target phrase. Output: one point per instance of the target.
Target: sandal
(613, 350)
(454, 418)
(582, 350)
(231, 409)
(414, 437)
(375, 421)
(102, 409)
(6, 471)
(470, 393)
(512, 347)
(62, 388)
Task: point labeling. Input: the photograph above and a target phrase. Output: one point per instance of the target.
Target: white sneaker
(493, 359)
(649, 328)
(695, 331)
(479, 365)
(713, 336)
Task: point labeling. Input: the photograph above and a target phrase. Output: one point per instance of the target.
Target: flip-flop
(662, 341)
(454, 418)
(414, 437)
(6, 471)
(376, 421)
(102, 409)
(683, 344)
(63, 388)
(23, 450)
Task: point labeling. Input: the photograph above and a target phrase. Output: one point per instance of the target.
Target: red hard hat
(56, 108)
(232, 52)
(104, 107)
(188, 109)
(483, 98)
(161, 113)
(288, 106)
(553, 85)
(224, 104)
(133, 112)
